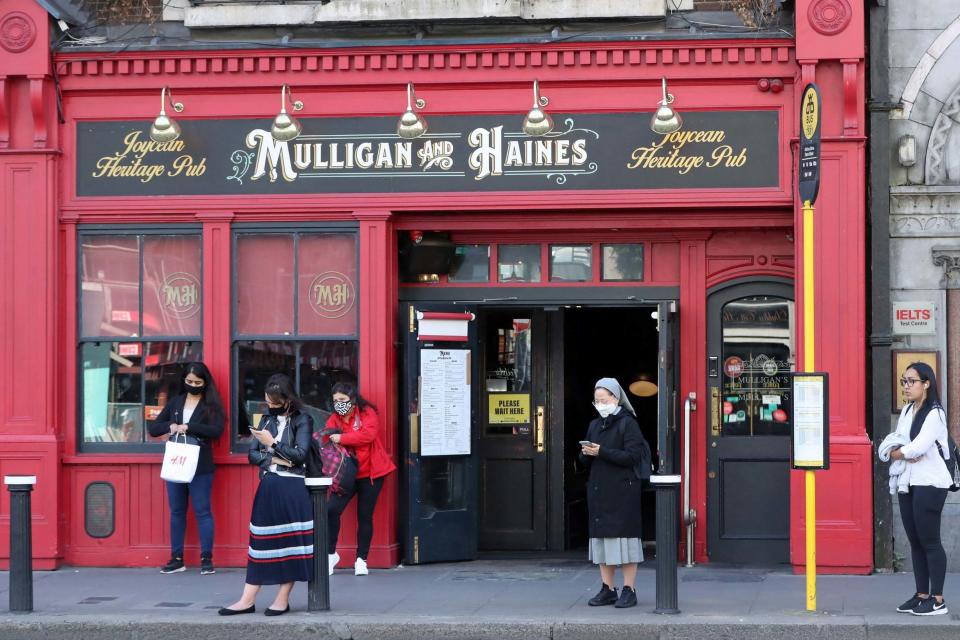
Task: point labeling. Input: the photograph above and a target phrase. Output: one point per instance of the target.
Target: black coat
(293, 446)
(613, 489)
(202, 426)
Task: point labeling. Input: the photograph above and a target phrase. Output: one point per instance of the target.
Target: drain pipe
(689, 514)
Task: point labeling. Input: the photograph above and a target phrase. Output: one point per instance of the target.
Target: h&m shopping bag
(180, 460)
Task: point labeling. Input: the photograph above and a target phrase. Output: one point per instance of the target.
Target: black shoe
(225, 611)
(628, 598)
(605, 596)
(930, 607)
(206, 565)
(275, 612)
(909, 605)
(174, 566)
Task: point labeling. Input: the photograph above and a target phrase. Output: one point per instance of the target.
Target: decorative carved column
(949, 259)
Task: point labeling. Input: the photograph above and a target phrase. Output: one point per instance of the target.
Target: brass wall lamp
(165, 128)
(412, 124)
(665, 120)
(538, 122)
(286, 127)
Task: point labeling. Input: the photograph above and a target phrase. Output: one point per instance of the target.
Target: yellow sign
(509, 408)
(810, 114)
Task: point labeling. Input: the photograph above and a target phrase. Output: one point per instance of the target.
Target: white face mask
(605, 409)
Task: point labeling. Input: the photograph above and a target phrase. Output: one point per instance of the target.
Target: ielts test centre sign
(715, 149)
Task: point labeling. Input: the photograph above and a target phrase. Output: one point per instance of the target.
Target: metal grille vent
(99, 510)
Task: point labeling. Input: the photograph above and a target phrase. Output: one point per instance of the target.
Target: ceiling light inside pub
(412, 125)
(537, 122)
(165, 128)
(666, 120)
(286, 127)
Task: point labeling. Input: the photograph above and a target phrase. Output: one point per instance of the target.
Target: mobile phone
(585, 442)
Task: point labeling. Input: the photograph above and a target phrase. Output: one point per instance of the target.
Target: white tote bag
(180, 460)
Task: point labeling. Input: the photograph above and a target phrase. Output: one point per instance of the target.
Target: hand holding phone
(584, 443)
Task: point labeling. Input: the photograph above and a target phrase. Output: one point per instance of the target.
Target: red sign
(733, 367)
(131, 349)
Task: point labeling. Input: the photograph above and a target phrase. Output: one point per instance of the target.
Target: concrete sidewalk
(472, 600)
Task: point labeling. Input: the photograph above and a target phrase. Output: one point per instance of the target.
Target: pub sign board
(599, 151)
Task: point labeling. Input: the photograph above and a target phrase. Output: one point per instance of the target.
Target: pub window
(622, 262)
(758, 358)
(571, 263)
(140, 321)
(518, 262)
(295, 312)
(471, 263)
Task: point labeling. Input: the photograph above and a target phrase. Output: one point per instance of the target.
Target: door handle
(714, 410)
(541, 440)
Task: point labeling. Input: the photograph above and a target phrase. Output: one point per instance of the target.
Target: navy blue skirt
(281, 532)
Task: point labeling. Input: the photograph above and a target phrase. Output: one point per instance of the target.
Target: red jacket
(360, 435)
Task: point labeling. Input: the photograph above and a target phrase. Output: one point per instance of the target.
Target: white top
(19, 480)
(275, 468)
(929, 469)
(188, 412)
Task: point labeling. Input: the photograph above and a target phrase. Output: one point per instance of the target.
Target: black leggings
(920, 511)
(366, 492)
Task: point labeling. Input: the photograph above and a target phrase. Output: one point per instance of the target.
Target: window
(140, 322)
(622, 262)
(757, 360)
(471, 263)
(572, 263)
(518, 262)
(295, 312)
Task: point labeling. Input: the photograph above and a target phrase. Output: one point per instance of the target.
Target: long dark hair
(349, 389)
(926, 374)
(280, 389)
(211, 397)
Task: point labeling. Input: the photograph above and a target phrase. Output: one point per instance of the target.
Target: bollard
(318, 591)
(668, 490)
(21, 547)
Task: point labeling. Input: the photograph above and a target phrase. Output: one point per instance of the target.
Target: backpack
(332, 461)
(644, 468)
(953, 462)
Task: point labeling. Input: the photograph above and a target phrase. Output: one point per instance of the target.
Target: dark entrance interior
(532, 488)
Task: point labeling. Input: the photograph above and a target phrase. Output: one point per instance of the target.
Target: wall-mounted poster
(903, 358)
(444, 402)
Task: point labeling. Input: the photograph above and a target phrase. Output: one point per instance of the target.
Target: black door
(513, 430)
(751, 350)
(440, 490)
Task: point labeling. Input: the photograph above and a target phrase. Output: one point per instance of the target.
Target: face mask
(342, 408)
(605, 409)
(277, 411)
(196, 390)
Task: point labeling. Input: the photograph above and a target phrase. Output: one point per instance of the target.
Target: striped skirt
(281, 532)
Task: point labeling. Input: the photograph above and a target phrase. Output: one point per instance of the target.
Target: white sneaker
(332, 560)
(360, 567)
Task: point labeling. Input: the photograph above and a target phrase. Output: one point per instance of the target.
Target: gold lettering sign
(669, 153)
(138, 159)
(331, 295)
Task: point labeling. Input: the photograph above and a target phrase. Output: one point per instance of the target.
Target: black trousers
(367, 492)
(920, 511)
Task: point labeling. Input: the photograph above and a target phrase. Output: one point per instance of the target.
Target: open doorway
(604, 342)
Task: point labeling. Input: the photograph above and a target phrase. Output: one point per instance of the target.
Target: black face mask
(277, 411)
(196, 390)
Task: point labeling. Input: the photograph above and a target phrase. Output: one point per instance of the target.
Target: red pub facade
(597, 249)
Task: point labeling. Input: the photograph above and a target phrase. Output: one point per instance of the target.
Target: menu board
(444, 402)
(811, 421)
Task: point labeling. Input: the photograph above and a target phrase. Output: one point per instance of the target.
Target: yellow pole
(808, 365)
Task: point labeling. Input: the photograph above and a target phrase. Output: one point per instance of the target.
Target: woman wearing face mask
(924, 423)
(613, 492)
(196, 412)
(281, 525)
(355, 425)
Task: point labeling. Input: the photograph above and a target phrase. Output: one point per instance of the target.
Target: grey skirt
(615, 551)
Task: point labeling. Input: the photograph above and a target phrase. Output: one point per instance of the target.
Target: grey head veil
(611, 385)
